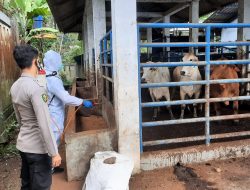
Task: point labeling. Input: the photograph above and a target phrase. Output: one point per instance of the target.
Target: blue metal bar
(111, 48)
(106, 35)
(193, 25)
(191, 44)
(172, 103)
(139, 87)
(207, 86)
(172, 122)
(196, 138)
(194, 120)
(101, 58)
(207, 100)
(107, 78)
(171, 64)
(192, 101)
(191, 83)
(177, 44)
(107, 65)
(107, 51)
(201, 63)
(230, 62)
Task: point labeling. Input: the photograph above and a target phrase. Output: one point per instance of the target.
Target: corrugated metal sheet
(69, 13)
(226, 14)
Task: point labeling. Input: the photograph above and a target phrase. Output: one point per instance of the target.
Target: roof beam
(144, 14)
(171, 11)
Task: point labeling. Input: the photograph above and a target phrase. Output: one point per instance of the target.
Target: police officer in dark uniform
(36, 143)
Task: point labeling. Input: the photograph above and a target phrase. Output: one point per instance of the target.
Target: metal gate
(106, 62)
(207, 100)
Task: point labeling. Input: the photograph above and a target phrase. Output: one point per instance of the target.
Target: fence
(9, 71)
(106, 63)
(207, 100)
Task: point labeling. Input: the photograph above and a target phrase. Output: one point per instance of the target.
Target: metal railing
(106, 62)
(207, 100)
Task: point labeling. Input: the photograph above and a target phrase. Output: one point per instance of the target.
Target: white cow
(157, 75)
(185, 74)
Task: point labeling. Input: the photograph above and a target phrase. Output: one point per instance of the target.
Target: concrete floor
(232, 174)
(59, 183)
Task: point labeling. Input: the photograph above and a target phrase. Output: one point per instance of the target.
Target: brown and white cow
(224, 90)
(186, 74)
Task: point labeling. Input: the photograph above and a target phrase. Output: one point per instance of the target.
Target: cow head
(189, 71)
(224, 72)
(149, 74)
(228, 68)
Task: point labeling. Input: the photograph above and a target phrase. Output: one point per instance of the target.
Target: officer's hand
(56, 160)
(87, 104)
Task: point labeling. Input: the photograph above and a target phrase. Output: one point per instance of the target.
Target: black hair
(24, 55)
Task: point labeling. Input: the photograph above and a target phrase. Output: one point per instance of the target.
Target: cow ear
(153, 69)
(223, 86)
(236, 68)
(211, 67)
(184, 57)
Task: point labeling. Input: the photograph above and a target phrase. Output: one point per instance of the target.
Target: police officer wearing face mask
(58, 96)
(35, 141)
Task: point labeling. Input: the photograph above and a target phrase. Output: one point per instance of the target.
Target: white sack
(103, 176)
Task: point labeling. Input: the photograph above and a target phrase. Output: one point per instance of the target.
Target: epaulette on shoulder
(40, 84)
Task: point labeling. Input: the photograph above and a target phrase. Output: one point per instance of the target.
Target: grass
(8, 149)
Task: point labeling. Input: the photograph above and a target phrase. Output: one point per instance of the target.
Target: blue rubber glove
(87, 104)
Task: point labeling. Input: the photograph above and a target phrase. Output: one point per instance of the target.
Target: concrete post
(99, 25)
(243, 34)
(194, 18)
(149, 40)
(166, 32)
(243, 17)
(125, 58)
(90, 42)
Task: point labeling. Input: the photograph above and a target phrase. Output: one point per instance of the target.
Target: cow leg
(182, 95)
(236, 108)
(169, 107)
(155, 114)
(217, 108)
(196, 95)
(155, 108)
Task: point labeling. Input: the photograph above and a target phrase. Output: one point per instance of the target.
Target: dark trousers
(36, 171)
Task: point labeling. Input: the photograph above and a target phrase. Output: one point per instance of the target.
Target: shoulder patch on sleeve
(45, 98)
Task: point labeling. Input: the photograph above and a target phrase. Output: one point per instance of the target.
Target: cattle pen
(119, 38)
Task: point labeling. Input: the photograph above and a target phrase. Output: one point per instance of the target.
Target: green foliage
(71, 47)
(65, 80)
(23, 11)
(43, 30)
(10, 130)
(8, 150)
(43, 38)
(68, 56)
